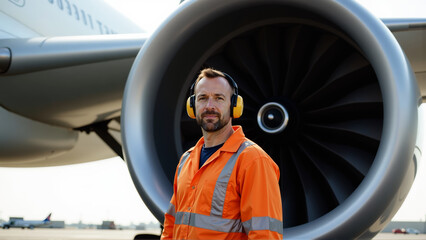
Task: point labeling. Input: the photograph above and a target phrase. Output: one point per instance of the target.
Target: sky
(103, 190)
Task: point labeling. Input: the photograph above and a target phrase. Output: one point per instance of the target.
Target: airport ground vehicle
(412, 231)
(399, 230)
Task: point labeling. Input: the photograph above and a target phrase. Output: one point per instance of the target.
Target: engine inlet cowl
(328, 94)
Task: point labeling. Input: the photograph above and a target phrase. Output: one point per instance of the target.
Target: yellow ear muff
(189, 109)
(238, 109)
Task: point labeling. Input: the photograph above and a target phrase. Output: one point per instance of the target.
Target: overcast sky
(103, 190)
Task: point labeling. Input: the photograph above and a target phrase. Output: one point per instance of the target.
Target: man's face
(212, 103)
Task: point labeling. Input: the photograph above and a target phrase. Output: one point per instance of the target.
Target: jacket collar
(231, 144)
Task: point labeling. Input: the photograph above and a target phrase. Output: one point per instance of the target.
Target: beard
(212, 125)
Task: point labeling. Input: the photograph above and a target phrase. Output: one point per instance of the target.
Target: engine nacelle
(346, 153)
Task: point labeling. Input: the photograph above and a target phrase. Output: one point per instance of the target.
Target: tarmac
(386, 236)
(95, 234)
(71, 234)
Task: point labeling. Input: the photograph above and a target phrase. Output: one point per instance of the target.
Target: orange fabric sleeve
(169, 219)
(261, 198)
(169, 222)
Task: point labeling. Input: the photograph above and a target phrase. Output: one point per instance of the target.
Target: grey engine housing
(347, 154)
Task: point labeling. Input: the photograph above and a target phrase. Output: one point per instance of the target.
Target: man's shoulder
(187, 153)
(190, 150)
(255, 156)
(254, 150)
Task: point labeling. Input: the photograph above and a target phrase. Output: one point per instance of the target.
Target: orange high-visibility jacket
(234, 195)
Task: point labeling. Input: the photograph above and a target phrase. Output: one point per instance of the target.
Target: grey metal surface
(411, 35)
(31, 140)
(404, 24)
(54, 85)
(5, 58)
(68, 81)
(36, 54)
(161, 62)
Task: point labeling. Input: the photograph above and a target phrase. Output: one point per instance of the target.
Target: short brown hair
(209, 73)
(212, 73)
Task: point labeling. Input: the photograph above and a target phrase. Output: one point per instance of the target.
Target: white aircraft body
(74, 88)
(25, 19)
(30, 224)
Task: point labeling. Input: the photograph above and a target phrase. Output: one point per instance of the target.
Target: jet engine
(328, 93)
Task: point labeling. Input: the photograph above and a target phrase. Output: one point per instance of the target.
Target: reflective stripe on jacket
(234, 195)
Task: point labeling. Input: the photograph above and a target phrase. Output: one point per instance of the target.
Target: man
(226, 186)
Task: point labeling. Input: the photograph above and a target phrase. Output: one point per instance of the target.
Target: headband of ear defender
(237, 103)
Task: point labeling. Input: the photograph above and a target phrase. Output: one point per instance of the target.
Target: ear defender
(237, 103)
(190, 110)
(237, 110)
(190, 102)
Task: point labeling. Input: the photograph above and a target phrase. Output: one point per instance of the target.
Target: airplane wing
(411, 35)
(59, 94)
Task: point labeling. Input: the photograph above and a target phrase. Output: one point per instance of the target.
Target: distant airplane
(343, 89)
(30, 224)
